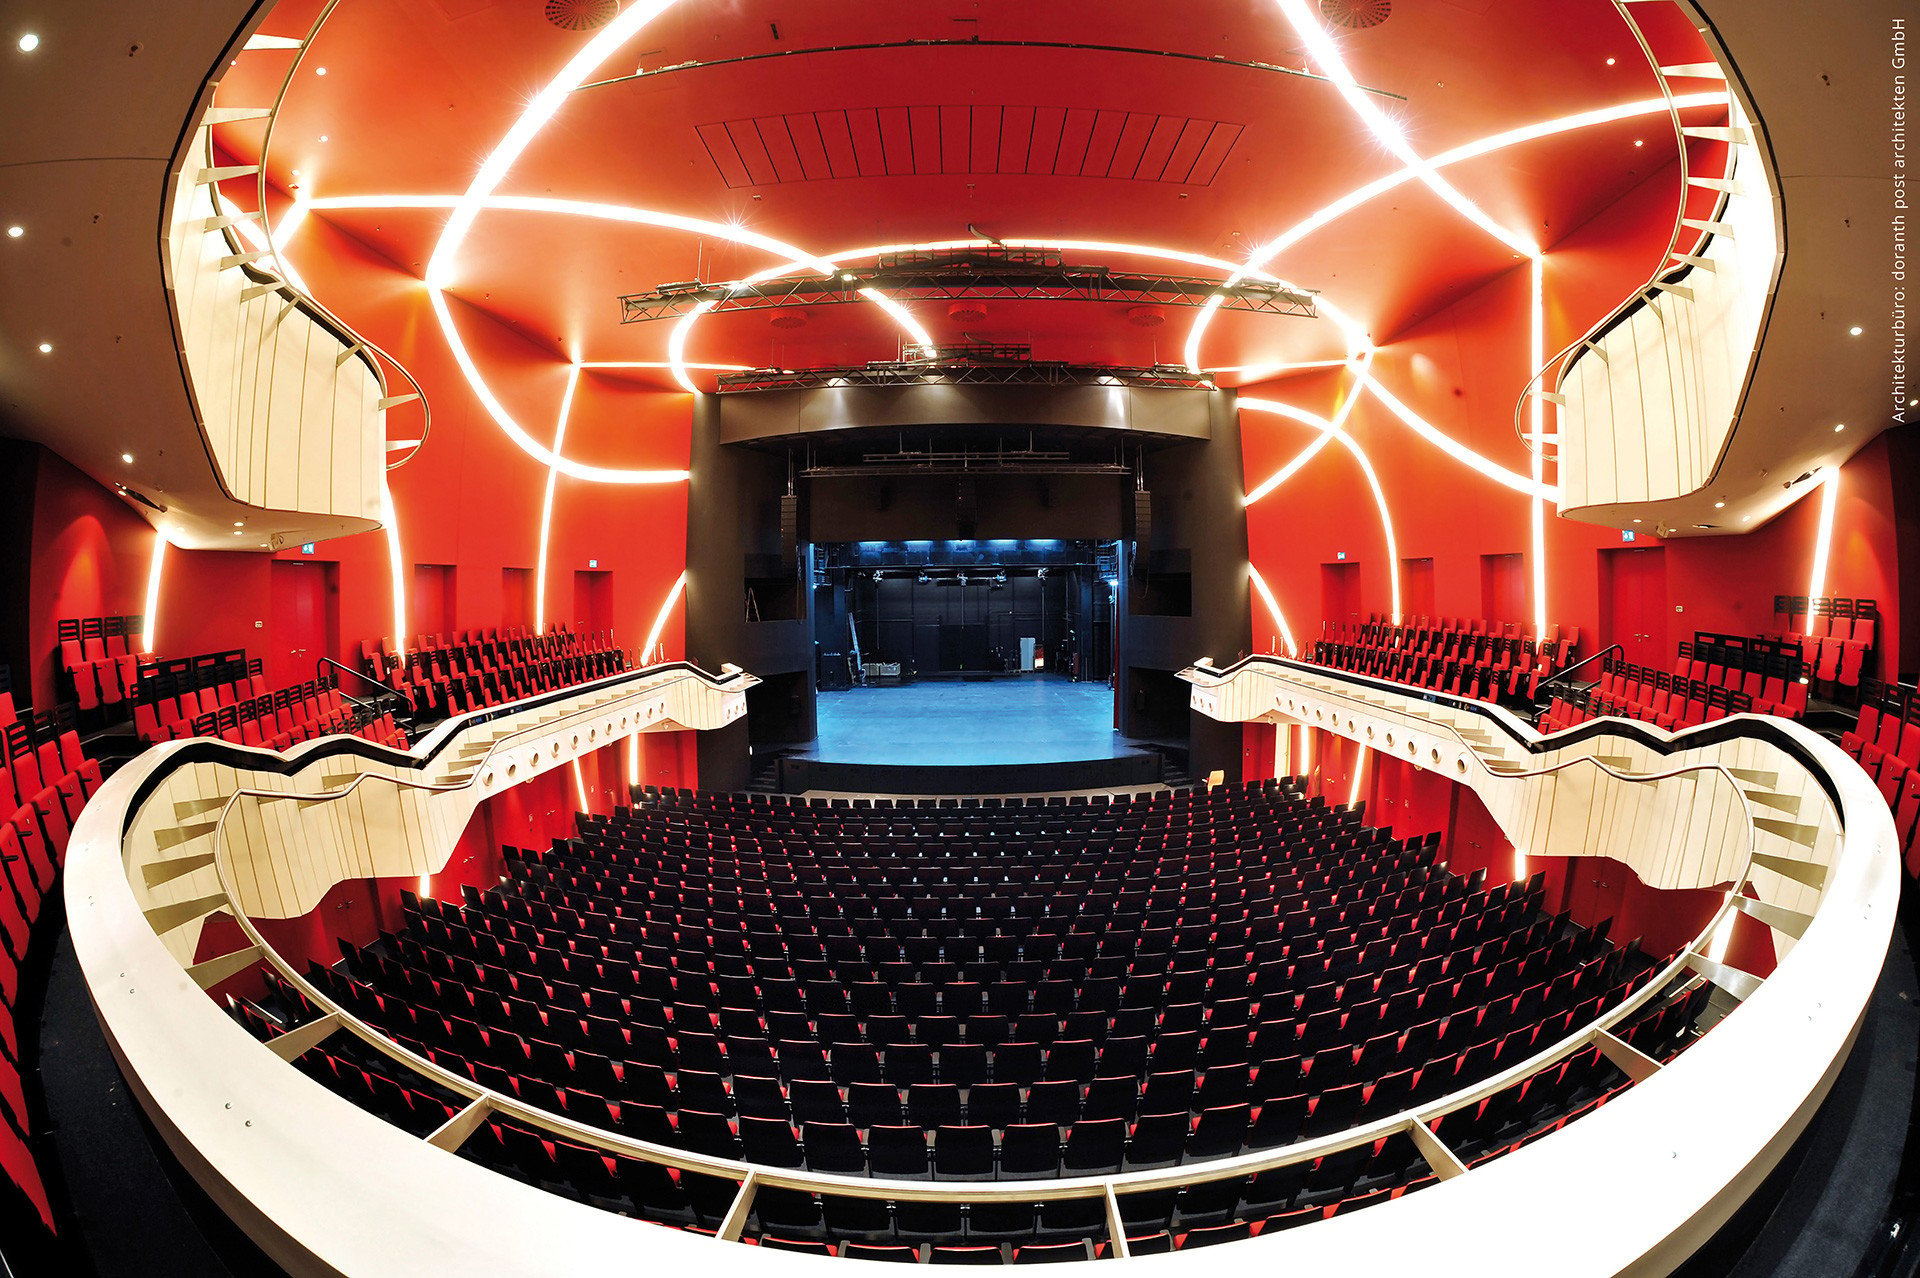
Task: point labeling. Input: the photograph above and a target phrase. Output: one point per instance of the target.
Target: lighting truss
(1011, 373)
(982, 273)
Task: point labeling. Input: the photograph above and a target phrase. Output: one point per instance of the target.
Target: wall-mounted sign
(593, 563)
(1339, 554)
(1626, 534)
(306, 548)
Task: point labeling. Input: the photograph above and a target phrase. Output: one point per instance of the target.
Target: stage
(1022, 719)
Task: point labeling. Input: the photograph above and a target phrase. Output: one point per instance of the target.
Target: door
(299, 636)
(592, 602)
(1340, 595)
(1503, 588)
(1635, 599)
(1596, 889)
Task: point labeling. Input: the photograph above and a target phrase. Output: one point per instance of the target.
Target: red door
(1340, 595)
(1596, 888)
(298, 636)
(1636, 599)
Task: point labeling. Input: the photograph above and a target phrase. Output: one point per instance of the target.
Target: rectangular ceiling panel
(921, 141)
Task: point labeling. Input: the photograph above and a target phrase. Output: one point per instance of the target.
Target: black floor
(131, 1209)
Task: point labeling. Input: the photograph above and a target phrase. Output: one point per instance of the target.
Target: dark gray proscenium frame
(1193, 470)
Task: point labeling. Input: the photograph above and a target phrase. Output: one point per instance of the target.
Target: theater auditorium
(1247, 636)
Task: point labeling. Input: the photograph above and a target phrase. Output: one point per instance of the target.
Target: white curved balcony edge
(292, 409)
(327, 1188)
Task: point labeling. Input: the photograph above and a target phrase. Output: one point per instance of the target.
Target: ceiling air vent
(1357, 14)
(581, 15)
(968, 310)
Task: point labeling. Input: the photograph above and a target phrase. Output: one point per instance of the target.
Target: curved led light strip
(1537, 351)
(1366, 467)
(1823, 539)
(154, 566)
(660, 621)
(1339, 208)
(1321, 48)
(1312, 450)
(546, 506)
(396, 566)
(1359, 775)
(1273, 606)
(1453, 448)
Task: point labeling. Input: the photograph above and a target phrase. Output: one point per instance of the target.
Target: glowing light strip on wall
(546, 506)
(154, 567)
(660, 621)
(1366, 468)
(1312, 450)
(1321, 48)
(1339, 208)
(396, 566)
(1537, 357)
(1359, 776)
(1454, 448)
(1265, 592)
(580, 786)
(633, 753)
(1823, 540)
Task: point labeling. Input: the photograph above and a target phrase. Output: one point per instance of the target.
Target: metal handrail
(1413, 1122)
(358, 674)
(1553, 679)
(366, 348)
(1639, 295)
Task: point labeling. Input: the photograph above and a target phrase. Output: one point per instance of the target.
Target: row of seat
(171, 716)
(99, 657)
(44, 783)
(1835, 637)
(1449, 657)
(1771, 673)
(447, 677)
(879, 1125)
(1672, 702)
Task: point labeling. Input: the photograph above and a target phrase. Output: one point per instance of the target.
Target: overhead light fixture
(239, 523)
(1639, 142)
(1719, 505)
(46, 348)
(29, 42)
(1611, 61)
(1839, 427)
(127, 458)
(1856, 330)
(319, 70)
(15, 232)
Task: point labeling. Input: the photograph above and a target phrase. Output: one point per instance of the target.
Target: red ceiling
(416, 93)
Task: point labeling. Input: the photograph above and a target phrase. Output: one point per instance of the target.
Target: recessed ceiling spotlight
(325, 138)
(1840, 427)
(238, 533)
(1636, 521)
(1611, 61)
(46, 348)
(1719, 505)
(1638, 142)
(319, 70)
(29, 42)
(127, 458)
(15, 232)
(1856, 330)
(239, 523)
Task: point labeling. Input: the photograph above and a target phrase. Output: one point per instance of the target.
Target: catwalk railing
(295, 1163)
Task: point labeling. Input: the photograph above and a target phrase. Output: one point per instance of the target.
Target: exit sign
(1339, 554)
(593, 563)
(306, 548)
(1626, 534)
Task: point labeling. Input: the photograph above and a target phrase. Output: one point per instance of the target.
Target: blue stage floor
(1026, 719)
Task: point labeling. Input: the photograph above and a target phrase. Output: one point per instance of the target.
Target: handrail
(1661, 272)
(1553, 679)
(753, 1176)
(358, 674)
(356, 341)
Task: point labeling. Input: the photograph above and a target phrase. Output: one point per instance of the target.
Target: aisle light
(1823, 539)
(153, 588)
(1273, 606)
(546, 505)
